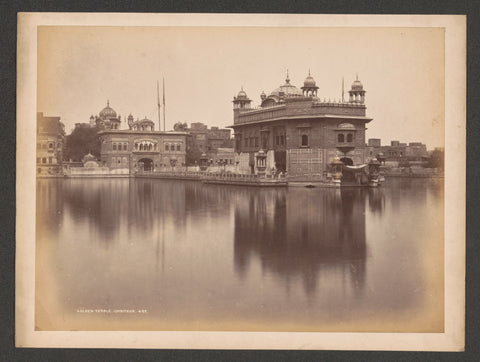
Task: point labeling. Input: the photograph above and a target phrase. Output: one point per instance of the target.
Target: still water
(139, 254)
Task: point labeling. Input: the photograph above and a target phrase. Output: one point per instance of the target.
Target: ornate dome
(309, 81)
(108, 112)
(286, 90)
(242, 94)
(88, 157)
(357, 85)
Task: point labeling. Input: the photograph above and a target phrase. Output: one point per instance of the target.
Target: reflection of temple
(301, 235)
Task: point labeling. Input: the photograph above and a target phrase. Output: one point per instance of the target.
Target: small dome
(357, 85)
(309, 81)
(242, 94)
(88, 157)
(108, 112)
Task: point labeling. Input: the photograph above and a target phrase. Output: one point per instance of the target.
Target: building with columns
(298, 131)
(139, 148)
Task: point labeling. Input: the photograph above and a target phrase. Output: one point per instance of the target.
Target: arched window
(178, 147)
(50, 146)
(150, 147)
(166, 147)
(155, 146)
(141, 147)
(304, 140)
(136, 146)
(349, 137)
(341, 138)
(124, 146)
(114, 147)
(44, 160)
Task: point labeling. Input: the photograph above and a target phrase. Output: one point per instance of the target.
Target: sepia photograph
(227, 181)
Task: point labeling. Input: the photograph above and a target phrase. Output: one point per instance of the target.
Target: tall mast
(164, 129)
(158, 107)
(343, 92)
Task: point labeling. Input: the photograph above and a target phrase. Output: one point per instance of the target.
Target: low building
(204, 140)
(396, 152)
(222, 156)
(50, 141)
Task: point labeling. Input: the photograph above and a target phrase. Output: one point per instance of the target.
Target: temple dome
(108, 112)
(286, 90)
(309, 82)
(357, 85)
(242, 94)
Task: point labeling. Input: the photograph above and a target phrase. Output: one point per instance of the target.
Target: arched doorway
(348, 175)
(147, 164)
(281, 160)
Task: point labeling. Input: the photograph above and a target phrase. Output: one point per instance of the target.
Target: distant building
(107, 118)
(396, 151)
(202, 140)
(50, 140)
(139, 148)
(299, 132)
(374, 142)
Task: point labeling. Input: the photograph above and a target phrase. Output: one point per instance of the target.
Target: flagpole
(164, 129)
(158, 108)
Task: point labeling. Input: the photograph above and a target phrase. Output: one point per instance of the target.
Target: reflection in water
(266, 259)
(297, 233)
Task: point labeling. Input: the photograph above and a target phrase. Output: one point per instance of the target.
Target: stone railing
(293, 110)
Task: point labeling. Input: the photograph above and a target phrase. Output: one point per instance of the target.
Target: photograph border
(455, 147)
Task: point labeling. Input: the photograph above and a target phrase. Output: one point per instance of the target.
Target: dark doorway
(147, 164)
(348, 175)
(281, 160)
(347, 161)
(251, 162)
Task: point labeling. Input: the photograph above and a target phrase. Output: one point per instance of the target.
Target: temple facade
(139, 148)
(299, 132)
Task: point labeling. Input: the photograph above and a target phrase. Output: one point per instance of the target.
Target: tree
(180, 127)
(436, 159)
(193, 155)
(83, 140)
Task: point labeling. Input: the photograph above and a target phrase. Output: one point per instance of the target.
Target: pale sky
(402, 70)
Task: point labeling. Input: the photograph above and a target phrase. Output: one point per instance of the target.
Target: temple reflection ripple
(300, 236)
(209, 257)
